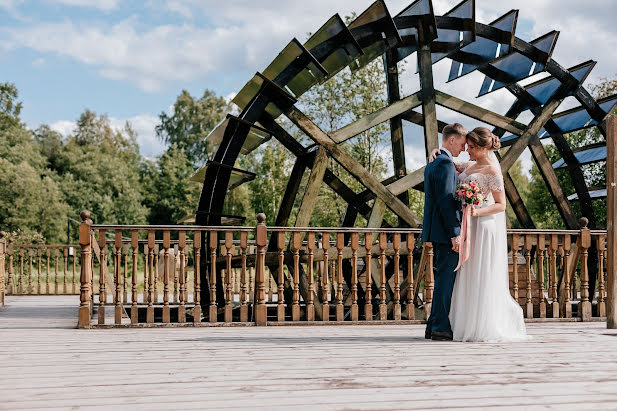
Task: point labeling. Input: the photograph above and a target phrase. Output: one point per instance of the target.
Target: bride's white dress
(482, 308)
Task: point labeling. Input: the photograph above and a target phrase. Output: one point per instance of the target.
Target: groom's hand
(456, 243)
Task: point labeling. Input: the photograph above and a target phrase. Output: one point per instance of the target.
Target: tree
(99, 171)
(31, 201)
(191, 122)
(168, 193)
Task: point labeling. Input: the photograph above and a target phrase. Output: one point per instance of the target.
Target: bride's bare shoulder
(493, 169)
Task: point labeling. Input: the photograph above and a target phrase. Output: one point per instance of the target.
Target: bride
(482, 308)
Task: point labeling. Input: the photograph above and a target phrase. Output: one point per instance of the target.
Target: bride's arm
(494, 182)
(499, 206)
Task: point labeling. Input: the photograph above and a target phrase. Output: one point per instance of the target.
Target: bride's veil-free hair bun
(482, 137)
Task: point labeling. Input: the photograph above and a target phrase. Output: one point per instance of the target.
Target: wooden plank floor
(46, 363)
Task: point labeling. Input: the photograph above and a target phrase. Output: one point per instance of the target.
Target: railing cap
(583, 221)
(85, 215)
(261, 218)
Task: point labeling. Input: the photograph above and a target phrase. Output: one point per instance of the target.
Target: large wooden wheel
(492, 49)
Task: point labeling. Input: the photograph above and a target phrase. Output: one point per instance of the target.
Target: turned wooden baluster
(325, 244)
(65, 267)
(102, 270)
(261, 240)
(540, 264)
(383, 308)
(584, 311)
(125, 273)
(396, 244)
(310, 305)
(368, 306)
(166, 245)
(117, 279)
(514, 247)
(280, 306)
(31, 272)
(176, 277)
(529, 302)
(411, 314)
(135, 251)
(428, 281)
(150, 282)
(554, 245)
(56, 276)
(197, 276)
(74, 269)
(567, 304)
(48, 268)
(212, 309)
(146, 265)
(156, 272)
(244, 311)
(229, 247)
(601, 289)
(10, 285)
(354, 276)
(181, 278)
(20, 278)
(39, 263)
(296, 244)
(340, 309)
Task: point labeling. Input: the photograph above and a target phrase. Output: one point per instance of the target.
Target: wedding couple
(473, 303)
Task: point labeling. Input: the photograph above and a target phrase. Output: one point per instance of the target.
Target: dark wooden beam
(479, 113)
(550, 178)
(521, 143)
(312, 188)
(396, 123)
(351, 165)
(376, 118)
(425, 65)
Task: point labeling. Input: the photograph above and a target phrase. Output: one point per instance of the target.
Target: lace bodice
(487, 182)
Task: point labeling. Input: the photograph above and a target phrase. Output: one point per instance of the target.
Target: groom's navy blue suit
(442, 222)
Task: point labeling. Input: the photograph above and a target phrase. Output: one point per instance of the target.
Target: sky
(130, 59)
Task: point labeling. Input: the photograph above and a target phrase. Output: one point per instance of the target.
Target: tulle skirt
(482, 308)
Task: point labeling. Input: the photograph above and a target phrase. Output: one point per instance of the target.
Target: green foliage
(191, 122)
(10, 108)
(168, 193)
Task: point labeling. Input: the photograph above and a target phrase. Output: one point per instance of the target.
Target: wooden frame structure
(492, 49)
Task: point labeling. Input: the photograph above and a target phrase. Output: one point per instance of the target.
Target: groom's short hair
(455, 129)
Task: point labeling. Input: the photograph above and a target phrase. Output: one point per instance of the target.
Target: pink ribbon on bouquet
(465, 247)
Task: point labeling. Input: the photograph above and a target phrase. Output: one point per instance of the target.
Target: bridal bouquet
(469, 193)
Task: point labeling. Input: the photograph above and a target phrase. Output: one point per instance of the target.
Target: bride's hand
(474, 211)
(433, 155)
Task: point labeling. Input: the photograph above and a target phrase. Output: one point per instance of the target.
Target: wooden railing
(276, 275)
(41, 269)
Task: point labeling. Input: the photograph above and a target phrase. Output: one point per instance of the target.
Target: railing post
(584, 310)
(611, 220)
(427, 293)
(10, 252)
(2, 269)
(261, 237)
(85, 308)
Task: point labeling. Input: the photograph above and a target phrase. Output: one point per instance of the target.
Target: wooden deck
(47, 363)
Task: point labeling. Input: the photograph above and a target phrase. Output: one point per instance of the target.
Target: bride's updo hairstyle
(482, 137)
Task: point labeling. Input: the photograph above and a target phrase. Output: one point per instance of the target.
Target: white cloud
(143, 125)
(242, 37)
(104, 5)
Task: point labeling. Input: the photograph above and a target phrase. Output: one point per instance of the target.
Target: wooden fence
(282, 275)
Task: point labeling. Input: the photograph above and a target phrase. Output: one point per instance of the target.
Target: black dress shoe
(441, 335)
(427, 333)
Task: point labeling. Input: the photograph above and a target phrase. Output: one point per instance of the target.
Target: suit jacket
(442, 212)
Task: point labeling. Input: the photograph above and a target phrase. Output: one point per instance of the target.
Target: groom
(442, 227)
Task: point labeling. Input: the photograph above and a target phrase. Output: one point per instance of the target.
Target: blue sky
(130, 59)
